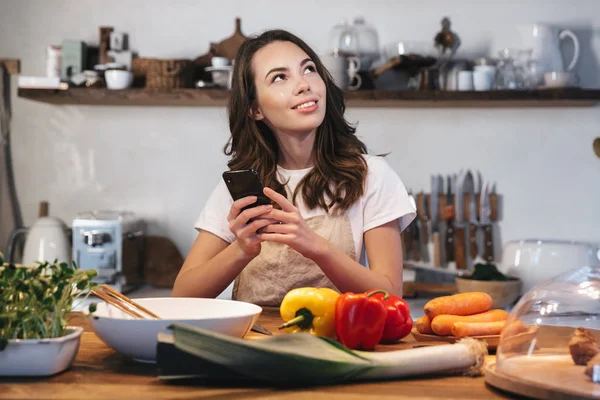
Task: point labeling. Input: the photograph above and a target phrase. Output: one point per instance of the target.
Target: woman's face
(290, 92)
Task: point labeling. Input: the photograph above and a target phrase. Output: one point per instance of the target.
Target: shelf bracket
(13, 65)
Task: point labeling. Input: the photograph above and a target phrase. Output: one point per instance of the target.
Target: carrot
(514, 328)
(423, 325)
(459, 304)
(462, 329)
(442, 324)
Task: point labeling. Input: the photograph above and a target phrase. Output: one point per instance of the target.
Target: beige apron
(279, 269)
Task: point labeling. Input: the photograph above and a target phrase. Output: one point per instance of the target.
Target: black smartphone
(245, 183)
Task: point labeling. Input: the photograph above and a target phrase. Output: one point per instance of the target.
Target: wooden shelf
(366, 98)
(129, 97)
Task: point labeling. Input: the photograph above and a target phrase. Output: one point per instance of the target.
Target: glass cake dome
(550, 339)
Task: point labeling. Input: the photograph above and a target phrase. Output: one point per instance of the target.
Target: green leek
(302, 358)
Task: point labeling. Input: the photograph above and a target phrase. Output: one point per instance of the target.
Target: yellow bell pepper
(309, 310)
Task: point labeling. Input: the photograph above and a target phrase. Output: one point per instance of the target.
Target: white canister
(482, 81)
(465, 80)
(53, 61)
(484, 77)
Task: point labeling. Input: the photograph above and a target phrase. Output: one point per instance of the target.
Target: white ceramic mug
(557, 79)
(465, 80)
(354, 81)
(219, 61)
(344, 70)
(354, 78)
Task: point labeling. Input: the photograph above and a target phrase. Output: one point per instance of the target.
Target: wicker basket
(139, 67)
(164, 74)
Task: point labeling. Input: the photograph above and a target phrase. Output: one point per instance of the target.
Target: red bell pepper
(359, 320)
(398, 323)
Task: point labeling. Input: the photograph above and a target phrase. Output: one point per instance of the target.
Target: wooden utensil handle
(473, 241)
(437, 249)
(43, 211)
(467, 206)
(404, 235)
(425, 231)
(416, 245)
(385, 67)
(460, 249)
(449, 243)
(488, 243)
(494, 207)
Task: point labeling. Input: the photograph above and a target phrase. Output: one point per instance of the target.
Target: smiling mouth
(305, 105)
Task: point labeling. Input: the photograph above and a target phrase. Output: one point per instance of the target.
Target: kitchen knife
(404, 235)
(448, 216)
(407, 236)
(493, 204)
(460, 224)
(486, 225)
(416, 241)
(437, 189)
(478, 188)
(425, 233)
(422, 212)
(261, 329)
(471, 214)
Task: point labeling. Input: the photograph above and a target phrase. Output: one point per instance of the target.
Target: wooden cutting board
(162, 261)
(557, 378)
(230, 46)
(549, 373)
(491, 340)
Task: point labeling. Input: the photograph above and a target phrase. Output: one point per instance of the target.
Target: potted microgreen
(505, 290)
(35, 302)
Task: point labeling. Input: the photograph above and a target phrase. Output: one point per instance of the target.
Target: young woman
(331, 200)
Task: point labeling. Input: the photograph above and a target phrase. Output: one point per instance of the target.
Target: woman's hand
(244, 230)
(292, 229)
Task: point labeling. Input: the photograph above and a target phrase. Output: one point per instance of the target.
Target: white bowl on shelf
(221, 75)
(137, 338)
(40, 357)
(118, 79)
(557, 79)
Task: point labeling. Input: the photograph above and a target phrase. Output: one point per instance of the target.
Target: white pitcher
(46, 240)
(544, 40)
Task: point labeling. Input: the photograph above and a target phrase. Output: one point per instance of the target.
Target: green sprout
(35, 300)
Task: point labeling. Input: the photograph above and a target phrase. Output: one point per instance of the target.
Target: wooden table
(100, 373)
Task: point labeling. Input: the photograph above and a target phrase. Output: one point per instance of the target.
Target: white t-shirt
(385, 199)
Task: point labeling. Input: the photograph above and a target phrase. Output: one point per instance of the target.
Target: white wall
(163, 162)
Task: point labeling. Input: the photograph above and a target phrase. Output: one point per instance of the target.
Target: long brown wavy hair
(338, 178)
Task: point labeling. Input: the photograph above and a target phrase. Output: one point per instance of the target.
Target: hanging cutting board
(203, 61)
(230, 46)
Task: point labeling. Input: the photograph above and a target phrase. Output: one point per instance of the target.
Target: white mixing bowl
(137, 338)
(536, 260)
(117, 79)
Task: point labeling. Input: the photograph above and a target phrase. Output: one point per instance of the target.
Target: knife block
(495, 202)
(423, 248)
